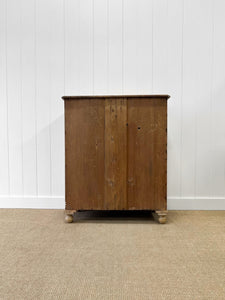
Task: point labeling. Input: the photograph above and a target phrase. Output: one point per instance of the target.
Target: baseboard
(196, 203)
(58, 202)
(41, 202)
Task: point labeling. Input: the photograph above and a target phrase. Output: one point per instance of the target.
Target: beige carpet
(100, 258)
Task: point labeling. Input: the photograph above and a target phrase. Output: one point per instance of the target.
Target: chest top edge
(88, 97)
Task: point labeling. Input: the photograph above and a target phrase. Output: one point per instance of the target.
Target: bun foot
(162, 220)
(160, 216)
(69, 216)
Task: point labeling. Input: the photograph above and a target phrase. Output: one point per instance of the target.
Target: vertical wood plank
(14, 96)
(28, 97)
(84, 153)
(115, 47)
(115, 153)
(147, 141)
(4, 153)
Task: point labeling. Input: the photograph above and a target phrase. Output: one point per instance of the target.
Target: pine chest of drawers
(116, 153)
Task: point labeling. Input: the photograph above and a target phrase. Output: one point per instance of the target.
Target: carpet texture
(111, 255)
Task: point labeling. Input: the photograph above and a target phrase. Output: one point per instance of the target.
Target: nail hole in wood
(139, 128)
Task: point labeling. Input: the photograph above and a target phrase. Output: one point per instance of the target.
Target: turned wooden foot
(160, 216)
(69, 216)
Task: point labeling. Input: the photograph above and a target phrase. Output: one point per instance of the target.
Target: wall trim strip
(58, 202)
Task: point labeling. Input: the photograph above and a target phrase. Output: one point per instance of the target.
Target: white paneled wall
(70, 47)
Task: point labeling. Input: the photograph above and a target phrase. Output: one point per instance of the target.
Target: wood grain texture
(115, 153)
(84, 123)
(147, 144)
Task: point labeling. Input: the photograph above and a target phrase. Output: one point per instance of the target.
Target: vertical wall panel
(72, 46)
(100, 47)
(197, 55)
(203, 68)
(28, 97)
(4, 154)
(144, 46)
(160, 46)
(56, 104)
(115, 47)
(14, 96)
(130, 46)
(218, 101)
(43, 65)
(190, 95)
(175, 62)
(86, 47)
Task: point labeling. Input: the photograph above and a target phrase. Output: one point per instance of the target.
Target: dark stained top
(114, 96)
